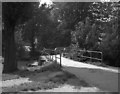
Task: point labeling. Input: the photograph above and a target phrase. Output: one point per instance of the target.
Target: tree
(105, 15)
(14, 13)
(68, 15)
(99, 32)
(109, 43)
(118, 30)
(92, 38)
(41, 27)
(71, 13)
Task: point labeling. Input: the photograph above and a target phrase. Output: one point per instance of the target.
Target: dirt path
(101, 77)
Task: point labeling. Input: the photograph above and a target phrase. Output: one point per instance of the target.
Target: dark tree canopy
(13, 14)
(72, 12)
(91, 25)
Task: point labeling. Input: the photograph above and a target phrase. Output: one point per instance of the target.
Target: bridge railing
(93, 55)
(61, 51)
(51, 53)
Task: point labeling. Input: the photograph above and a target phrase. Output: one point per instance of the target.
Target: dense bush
(110, 52)
(99, 36)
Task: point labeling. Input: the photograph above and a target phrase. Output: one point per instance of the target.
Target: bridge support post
(52, 58)
(60, 61)
(90, 56)
(55, 57)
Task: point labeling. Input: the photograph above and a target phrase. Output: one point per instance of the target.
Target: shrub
(51, 67)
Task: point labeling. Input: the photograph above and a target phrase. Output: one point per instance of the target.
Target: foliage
(98, 31)
(109, 44)
(69, 14)
(89, 25)
(108, 26)
(40, 27)
(17, 13)
(103, 11)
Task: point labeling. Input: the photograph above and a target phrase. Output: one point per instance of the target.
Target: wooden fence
(92, 55)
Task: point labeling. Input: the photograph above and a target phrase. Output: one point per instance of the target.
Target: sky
(50, 1)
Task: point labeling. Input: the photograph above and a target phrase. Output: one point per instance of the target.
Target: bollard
(52, 57)
(101, 57)
(91, 56)
(55, 58)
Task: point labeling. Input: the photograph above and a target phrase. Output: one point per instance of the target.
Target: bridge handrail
(91, 57)
(51, 56)
(90, 52)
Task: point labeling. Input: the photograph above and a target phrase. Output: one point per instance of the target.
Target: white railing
(48, 51)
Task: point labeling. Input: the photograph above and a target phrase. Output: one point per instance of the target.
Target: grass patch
(9, 77)
(30, 86)
(52, 67)
(60, 77)
(50, 76)
(97, 63)
(54, 79)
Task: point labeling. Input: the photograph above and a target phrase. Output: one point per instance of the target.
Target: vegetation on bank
(49, 78)
(86, 25)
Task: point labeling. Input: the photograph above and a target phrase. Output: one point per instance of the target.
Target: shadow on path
(104, 80)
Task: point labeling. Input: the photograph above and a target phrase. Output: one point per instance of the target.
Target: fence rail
(91, 57)
(60, 51)
(91, 53)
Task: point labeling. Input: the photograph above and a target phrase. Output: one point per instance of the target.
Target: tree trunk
(10, 64)
(32, 46)
(32, 50)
